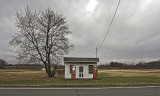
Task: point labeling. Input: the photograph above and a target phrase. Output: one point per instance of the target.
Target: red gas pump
(73, 72)
(95, 72)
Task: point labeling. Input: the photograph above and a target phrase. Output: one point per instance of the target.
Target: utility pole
(96, 52)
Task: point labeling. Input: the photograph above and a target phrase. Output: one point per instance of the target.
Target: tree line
(140, 65)
(111, 65)
(5, 65)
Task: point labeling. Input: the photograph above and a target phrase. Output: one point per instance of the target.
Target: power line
(109, 25)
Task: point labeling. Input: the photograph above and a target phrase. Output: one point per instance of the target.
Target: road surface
(71, 91)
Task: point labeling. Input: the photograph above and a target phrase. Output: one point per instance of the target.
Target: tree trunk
(54, 69)
(50, 73)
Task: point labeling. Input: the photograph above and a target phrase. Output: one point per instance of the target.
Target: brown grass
(131, 72)
(10, 75)
(105, 77)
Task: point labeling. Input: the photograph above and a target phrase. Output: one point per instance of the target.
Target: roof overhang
(79, 59)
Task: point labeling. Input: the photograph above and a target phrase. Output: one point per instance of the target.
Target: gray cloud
(134, 34)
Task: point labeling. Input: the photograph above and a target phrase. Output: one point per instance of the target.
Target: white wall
(85, 71)
(67, 71)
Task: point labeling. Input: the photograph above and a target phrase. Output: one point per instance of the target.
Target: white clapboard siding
(86, 74)
(67, 71)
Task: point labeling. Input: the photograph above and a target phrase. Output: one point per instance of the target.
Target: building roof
(77, 59)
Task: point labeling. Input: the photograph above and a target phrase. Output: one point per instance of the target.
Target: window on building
(80, 74)
(81, 71)
(90, 69)
(71, 69)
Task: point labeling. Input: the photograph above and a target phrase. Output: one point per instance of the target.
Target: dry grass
(10, 75)
(105, 77)
(131, 72)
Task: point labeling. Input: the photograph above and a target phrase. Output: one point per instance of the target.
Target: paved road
(70, 91)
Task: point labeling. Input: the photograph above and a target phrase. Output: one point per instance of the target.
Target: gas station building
(80, 68)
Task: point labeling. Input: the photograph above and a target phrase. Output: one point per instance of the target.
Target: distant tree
(2, 64)
(41, 38)
(117, 64)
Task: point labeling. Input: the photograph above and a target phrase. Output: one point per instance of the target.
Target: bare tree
(2, 64)
(41, 38)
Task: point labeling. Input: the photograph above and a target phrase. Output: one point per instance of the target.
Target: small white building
(80, 68)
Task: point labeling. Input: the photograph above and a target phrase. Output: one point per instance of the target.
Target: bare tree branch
(41, 37)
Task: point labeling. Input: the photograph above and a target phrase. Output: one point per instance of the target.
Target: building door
(81, 72)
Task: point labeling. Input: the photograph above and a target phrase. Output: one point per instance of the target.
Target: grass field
(105, 77)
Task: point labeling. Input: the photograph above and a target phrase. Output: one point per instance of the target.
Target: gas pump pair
(95, 72)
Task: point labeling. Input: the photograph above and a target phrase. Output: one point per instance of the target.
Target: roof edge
(80, 59)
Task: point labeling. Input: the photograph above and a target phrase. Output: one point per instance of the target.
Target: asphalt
(81, 91)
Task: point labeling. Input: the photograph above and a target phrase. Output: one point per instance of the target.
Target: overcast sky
(134, 35)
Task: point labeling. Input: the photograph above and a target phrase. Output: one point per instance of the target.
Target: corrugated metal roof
(77, 59)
